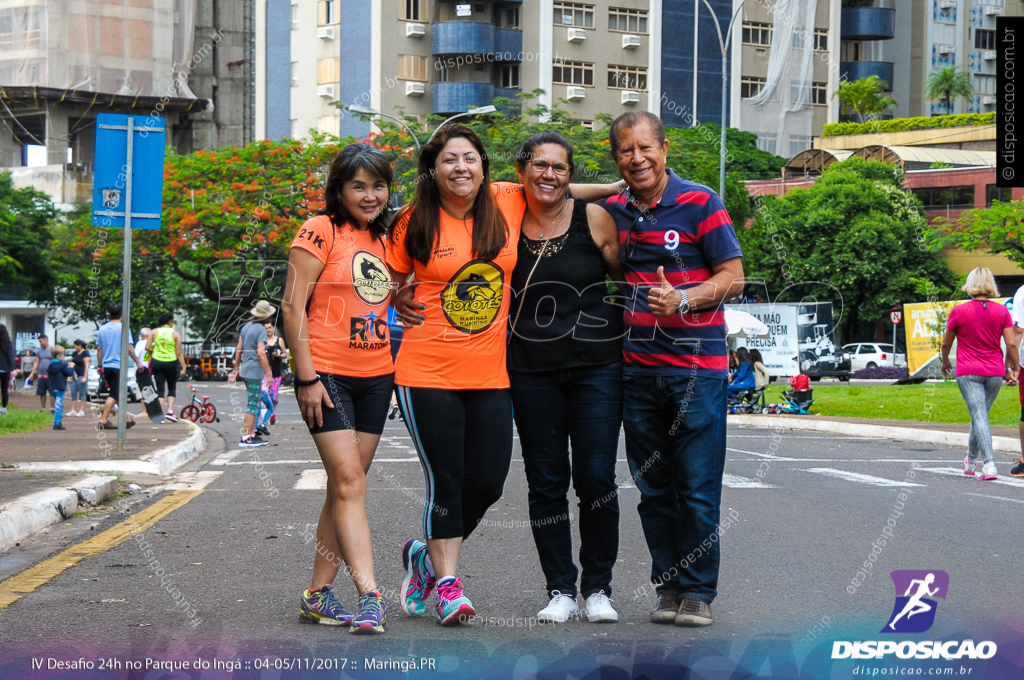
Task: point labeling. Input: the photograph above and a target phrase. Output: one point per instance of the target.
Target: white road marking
(306, 461)
(312, 480)
(737, 482)
(223, 458)
(954, 472)
(187, 481)
(765, 455)
(998, 498)
(857, 477)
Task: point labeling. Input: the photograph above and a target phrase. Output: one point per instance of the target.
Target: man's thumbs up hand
(664, 300)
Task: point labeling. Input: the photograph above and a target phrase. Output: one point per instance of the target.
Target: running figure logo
(914, 611)
(370, 278)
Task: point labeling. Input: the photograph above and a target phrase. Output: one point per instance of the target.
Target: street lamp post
(724, 44)
(367, 111)
(472, 112)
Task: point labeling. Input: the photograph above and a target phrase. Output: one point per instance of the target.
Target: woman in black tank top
(564, 365)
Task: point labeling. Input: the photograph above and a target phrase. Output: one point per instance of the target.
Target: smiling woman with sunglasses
(565, 369)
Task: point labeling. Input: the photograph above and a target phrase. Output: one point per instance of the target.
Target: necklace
(554, 227)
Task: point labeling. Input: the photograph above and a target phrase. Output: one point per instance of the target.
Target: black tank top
(569, 318)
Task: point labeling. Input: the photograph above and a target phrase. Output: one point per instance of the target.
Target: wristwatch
(684, 303)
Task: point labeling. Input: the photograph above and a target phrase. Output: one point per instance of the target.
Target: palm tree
(948, 84)
(864, 97)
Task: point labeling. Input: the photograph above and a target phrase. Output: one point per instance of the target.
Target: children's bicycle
(200, 409)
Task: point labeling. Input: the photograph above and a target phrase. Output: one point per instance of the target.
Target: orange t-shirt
(347, 310)
(461, 342)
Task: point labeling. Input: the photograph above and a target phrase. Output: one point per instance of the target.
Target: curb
(36, 511)
(906, 434)
(161, 462)
(95, 489)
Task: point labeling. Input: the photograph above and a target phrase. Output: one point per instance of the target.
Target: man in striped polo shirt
(681, 257)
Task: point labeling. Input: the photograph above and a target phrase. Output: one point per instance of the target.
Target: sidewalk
(1004, 439)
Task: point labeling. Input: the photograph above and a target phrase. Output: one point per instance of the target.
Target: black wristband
(306, 383)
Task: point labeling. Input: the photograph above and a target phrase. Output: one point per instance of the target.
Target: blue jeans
(581, 406)
(980, 392)
(58, 407)
(675, 445)
(268, 409)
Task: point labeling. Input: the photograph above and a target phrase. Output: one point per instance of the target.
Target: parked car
(96, 390)
(871, 354)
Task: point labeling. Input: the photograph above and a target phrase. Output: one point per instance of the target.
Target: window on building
(510, 17)
(327, 12)
(984, 39)
(295, 74)
(801, 38)
(798, 143)
(627, 20)
(294, 129)
(819, 94)
(821, 39)
(984, 84)
(441, 69)
(994, 193)
(573, 73)
(329, 124)
(589, 124)
(20, 28)
(574, 14)
(627, 77)
(412, 67)
(510, 75)
(940, 198)
(295, 18)
(757, 33)
(411, 10)
(797, 91)
(328, 71)
(751, 85)
(766, 141)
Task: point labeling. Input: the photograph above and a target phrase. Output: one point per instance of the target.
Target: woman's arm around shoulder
(606, 236)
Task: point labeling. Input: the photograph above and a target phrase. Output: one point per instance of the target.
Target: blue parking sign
(110, 174)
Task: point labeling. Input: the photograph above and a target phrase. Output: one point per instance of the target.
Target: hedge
(916, 123)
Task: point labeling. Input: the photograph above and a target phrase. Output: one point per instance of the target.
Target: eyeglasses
(542, 167)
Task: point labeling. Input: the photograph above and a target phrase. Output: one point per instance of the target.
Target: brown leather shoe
(667, 608)
(694, 613)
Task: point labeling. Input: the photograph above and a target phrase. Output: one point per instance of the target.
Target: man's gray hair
(631, 119)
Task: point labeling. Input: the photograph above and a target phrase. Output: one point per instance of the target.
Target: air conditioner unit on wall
(415, 89)
(415, 30)
(988, 55)
(946, 49)
(577, 35)
(325, 32)
(993, 11)
(629, 97)
(630, 42)
(988, 99)
(947, 4)
(575, 92)
(325, 91)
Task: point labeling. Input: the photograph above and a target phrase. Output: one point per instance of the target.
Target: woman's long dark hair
(5, 340)
(352, 159)
(755, 356)
(744, 356)
(490, 233)
(525, 153)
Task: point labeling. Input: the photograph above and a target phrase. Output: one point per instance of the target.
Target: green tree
(864, 97)
(25, 216)
(999, 229)
(855, 233)
(948, 84)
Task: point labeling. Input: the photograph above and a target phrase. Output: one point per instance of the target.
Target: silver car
(95, 391)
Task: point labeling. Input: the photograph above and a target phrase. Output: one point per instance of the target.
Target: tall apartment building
(443, 57)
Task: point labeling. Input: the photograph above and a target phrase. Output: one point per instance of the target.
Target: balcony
(451, 98)
(868, 23)
(855, 70)
(463, 37)
(508, 44)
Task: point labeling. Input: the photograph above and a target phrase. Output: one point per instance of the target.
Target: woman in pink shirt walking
(978, 326)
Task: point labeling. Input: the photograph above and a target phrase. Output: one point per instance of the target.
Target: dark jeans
(553, 408)
(675, 444)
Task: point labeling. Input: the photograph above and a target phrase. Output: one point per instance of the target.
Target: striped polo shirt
(688, 231)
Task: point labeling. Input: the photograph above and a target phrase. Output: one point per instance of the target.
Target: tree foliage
(864, 97)
(856, 234)
(948, 84)
(999, 229)
(25, 215)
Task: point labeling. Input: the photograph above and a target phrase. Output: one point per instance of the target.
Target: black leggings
(5, 383)
(165, 372)
(464, 441)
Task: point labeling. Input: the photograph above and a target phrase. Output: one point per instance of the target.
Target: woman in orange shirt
(335, 315)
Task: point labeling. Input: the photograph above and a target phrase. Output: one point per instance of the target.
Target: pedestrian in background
(28, 364)
(978, 327)
(6, 367)
(39, 372)
(1018, 333)
(108, 357)
(761, 376)
(166, 362)
(140, 347)
(277, 354)
(266, 400)
(80, 360)
(57, 374)
(252, 366)
(743, 379)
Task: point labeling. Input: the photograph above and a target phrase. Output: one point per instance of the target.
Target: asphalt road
(807, 511)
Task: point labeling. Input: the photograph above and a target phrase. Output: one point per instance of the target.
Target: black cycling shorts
(360, 404)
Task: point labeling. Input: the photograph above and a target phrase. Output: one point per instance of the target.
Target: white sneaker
(3, 411)
(599, 608)
(988, 471)
(559, 610)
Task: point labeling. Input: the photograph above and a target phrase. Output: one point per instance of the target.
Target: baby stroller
(748, 401)
(798, 402)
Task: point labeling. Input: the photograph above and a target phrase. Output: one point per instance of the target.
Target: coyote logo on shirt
(370, 277)
(473, 297)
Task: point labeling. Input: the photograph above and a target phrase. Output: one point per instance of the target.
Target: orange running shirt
(461, 342)
(347, 311)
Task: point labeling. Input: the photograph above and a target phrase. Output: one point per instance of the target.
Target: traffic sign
(896, 316)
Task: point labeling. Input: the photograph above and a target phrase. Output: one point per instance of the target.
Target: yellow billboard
(925, 326)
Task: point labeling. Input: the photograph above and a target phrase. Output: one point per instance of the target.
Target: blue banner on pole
(110, 178)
